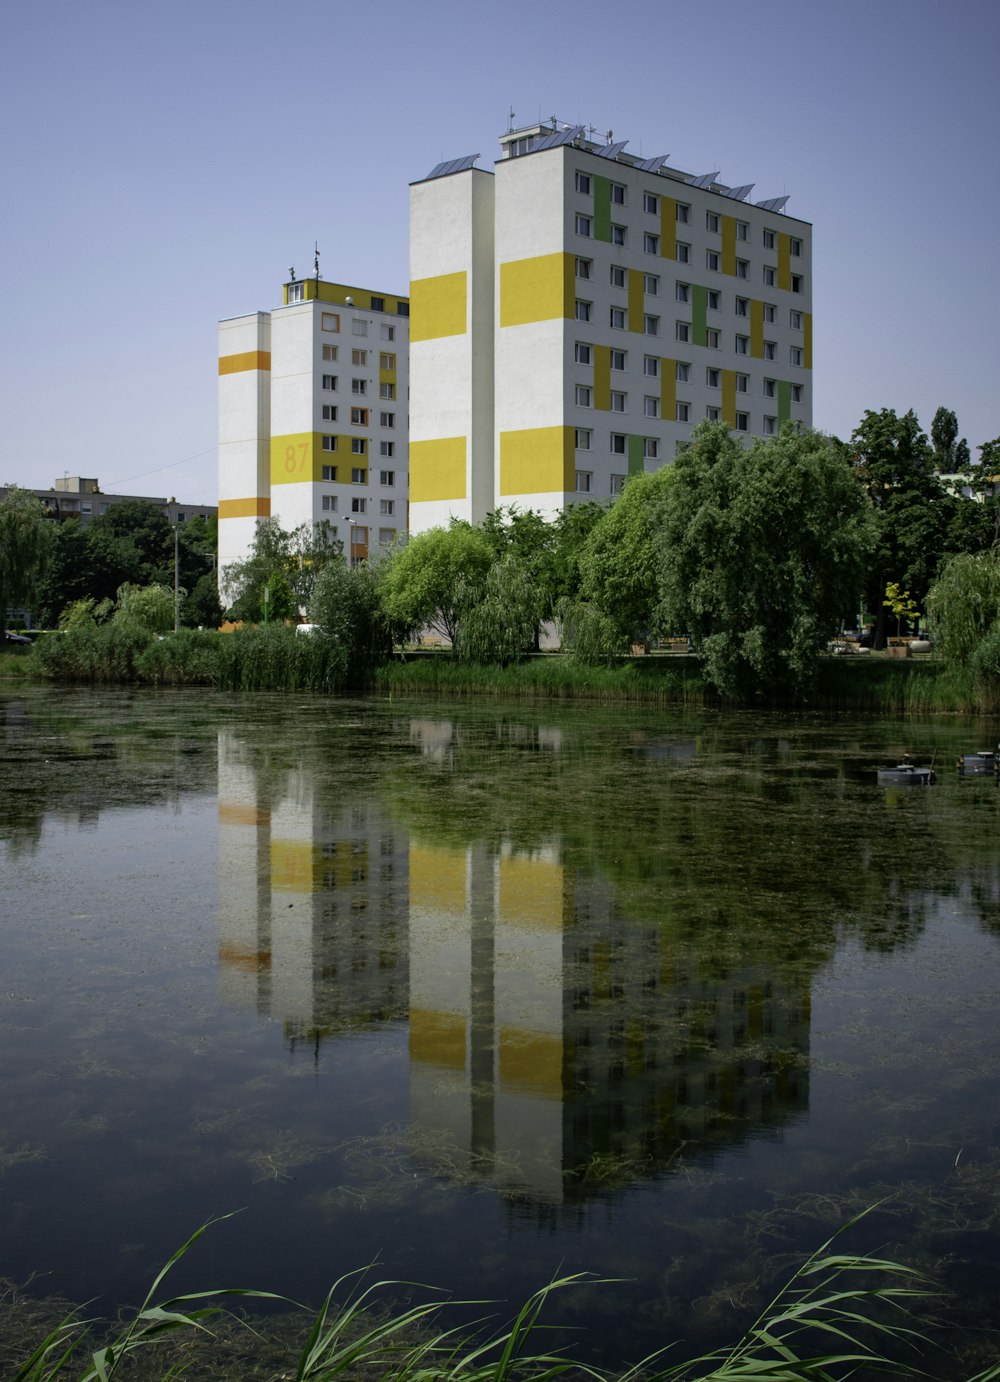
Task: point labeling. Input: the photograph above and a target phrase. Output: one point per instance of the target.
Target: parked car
(11, 637)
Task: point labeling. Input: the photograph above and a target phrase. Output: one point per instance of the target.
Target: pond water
(492, 994)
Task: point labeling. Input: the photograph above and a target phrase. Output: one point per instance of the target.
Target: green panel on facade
(602, 209)
(699, 306)
(636, 464)
(784, 401)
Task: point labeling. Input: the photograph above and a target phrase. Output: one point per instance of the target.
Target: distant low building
(76, 496)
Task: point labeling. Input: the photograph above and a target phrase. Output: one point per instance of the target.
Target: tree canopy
(25, 544)
(620, 560)
(425, 582)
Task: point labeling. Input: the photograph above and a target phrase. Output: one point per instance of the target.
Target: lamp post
(177, 586)
(353, 549)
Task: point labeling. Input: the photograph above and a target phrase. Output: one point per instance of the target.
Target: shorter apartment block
(313, 400)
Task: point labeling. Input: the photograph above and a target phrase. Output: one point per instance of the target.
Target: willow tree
(25, 543)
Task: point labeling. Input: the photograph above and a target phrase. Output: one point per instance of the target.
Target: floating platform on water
(906, 775)
(978, 764)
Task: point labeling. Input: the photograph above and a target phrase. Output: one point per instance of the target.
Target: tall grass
(839, 1313)
(549, 677)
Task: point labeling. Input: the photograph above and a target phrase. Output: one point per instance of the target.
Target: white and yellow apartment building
(575, 314)
(313, 401)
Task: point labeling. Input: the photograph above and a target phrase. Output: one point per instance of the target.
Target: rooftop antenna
(316, 260)
(511, 117)
(291, 274)
(555, 122)
(611, 136)
(591, 131)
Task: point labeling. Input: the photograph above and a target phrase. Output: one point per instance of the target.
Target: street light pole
(177, 587)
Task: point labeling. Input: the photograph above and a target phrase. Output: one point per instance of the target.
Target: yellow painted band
(531, 1062)
(438, 1038)
(245, 360)
(438, 306)
(602, 378)
(340, 292)
(538, 289)
(757, 329)
(807, 339)
(729, 245)
(668, 389)
(537, 460)
(437, 469)
(245, 508)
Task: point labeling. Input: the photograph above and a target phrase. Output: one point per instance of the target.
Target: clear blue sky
(166, 163)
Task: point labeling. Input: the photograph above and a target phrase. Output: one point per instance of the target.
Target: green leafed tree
(944, 432)
(501, 613)
(762, 555)
(149, 607)
(347, 607)
(25, 545)
(963, 604)
(284, 564)
(426, 582)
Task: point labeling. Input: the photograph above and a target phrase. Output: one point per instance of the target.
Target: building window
(387, 449)
(359, 475)
(582, 310)
(359, 387)
(583, 435)
(651, 243)
(769, 239)
(387, 477)
(359, 447)
(583, 267)
(769, 276)
(651, 203)
(581, 353)
(651, 325)
(359, 327)
(583, 224)
(617, 276)
(617, 401)
(359, 417)
(296, 292)
(583, 480)
(742, 268)
(329, 503)
(795, 245)
(651, 284)
(682, 371)
(743, 422)
(712, 260)
(386, 360)
(683, 213)
(329, 443)
(386, 507)
(618, 359)
(618, 318)
(583, 183)
(682, 292)
(387, 419)
(359, 505)
(769, 388)
(583, 396)
(617, 194)
(329, 321)
(359, 357)
(329, 352)
(770, 350)
(795, 320)
(329, 473)
(386, 537)
(619, 444)
(387, 391)
(796, 283)
(402, 309)
(712, 222)
(712, 377)
(796, 393)
(650, 449)
(714, 298)
(683, 253)
(770, 426)
(651, 366)
(683, 412)
(650, 406)
(742, 307)
(712, 338)
(329, 412)
(769, 314)
(329, 381)
(619, 235)
(682, 331)
(378, 304)
(795, 355)
(742, 230)
(743, 383)
(742, 345)
(617, 484)
(712, 413)
(387, 333)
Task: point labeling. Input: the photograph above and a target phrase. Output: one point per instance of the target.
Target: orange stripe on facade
(255, 507)
(248, 359)
(232, 813)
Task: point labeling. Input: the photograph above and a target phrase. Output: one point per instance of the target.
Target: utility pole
(177, 587)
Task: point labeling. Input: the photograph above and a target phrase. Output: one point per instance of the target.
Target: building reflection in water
(557, 1047)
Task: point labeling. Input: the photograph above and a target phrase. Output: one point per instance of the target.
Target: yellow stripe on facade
(235, 813)
(602, 377)
(757, 329)
(537, 460)
(729, 397)
(668, 228)
(807, 339)
(245, 360)
(784, 261)
(729, 245)
(636, 301)
(668, 389)
(531, 1062)
(438, 879)
(297, 458)
(295, 865)
(438, 1038)
(338, 293)
(245, 508)
(437, 469)
(537, 289)
(530, 893)
(438, 306)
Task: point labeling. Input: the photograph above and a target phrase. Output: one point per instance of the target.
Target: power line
(142, 474)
